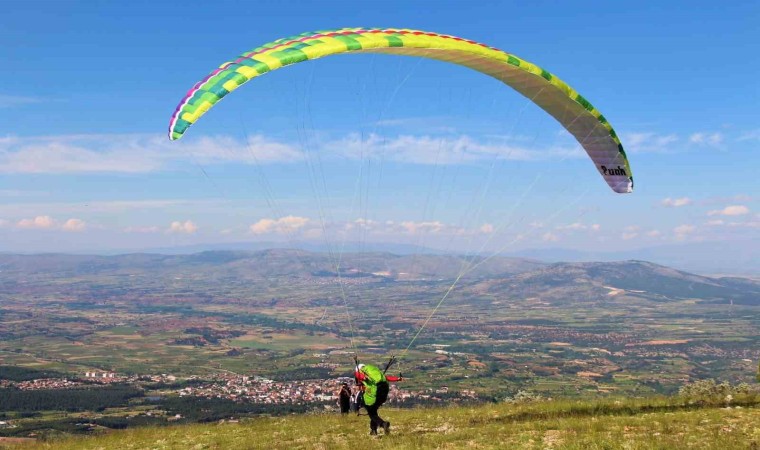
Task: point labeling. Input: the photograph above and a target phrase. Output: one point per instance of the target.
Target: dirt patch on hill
(666, 342)
(14, 440)
(589, 374)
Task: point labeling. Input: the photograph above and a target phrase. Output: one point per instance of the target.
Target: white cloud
(550, 237)
(486, 228)
(133, 153)
(682, 231)
(9, 101)
(430, 124)
(654, 233)
(744, 224)
(74, 225)
(407, 227)
(364, 223)
(293, 222)
(733, 210)
(572, 227)
(748, 224)
(424, 227)
(39, 222)
(709, 139)
(675, 202)
(140, 153)
(257, 149)
(136, 153)
(578, 226)
(441, 150)
(48, 223)
(186, 227)
(630, 232)
(282, 225)
(71, 155)
(654, 142)
(649, 142)
(753, 135)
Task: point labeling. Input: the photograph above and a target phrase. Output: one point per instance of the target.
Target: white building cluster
(104, 375)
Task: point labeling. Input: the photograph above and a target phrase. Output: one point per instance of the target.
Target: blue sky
(374, 148)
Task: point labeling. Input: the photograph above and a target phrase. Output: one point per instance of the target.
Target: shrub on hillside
(710, 391)
(525, 397)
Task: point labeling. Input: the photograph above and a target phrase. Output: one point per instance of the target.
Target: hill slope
(260, 264)
(641, 278)
(633, 424)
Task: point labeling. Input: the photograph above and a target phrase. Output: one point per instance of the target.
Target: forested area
(15, 373)
(84, 399)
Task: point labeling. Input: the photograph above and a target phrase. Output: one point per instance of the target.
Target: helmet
(359, 367)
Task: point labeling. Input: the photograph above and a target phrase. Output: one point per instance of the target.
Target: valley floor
(659, 423)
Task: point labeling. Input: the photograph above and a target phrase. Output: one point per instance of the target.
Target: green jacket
(372, 375)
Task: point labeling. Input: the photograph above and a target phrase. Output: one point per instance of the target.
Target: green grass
(660, 423)
(123, 330)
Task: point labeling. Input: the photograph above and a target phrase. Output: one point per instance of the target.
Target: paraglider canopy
(576, 114)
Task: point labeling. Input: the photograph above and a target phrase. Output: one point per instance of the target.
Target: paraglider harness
(357, 400)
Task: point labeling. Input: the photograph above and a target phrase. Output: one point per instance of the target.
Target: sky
(374, 148)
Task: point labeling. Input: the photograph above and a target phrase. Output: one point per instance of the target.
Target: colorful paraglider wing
(573, 112)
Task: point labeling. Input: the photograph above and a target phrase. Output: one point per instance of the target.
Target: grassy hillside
(626, 423)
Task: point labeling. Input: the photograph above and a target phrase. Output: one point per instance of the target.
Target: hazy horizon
(374, 148)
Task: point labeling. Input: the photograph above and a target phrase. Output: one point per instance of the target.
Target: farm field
(561, 329)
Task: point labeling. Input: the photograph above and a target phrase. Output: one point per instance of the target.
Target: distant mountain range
(270, 263)
(738, 258)
(318, 247)
(518, 277)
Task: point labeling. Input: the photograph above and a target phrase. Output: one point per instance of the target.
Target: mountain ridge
(516, 276)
